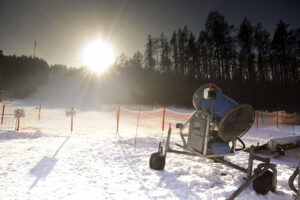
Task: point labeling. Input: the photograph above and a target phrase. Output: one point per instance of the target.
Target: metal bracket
(251, 174)
(261, 169)
(293, 178)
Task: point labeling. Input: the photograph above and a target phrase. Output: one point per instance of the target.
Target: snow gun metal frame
(215, 126)
(293, 178)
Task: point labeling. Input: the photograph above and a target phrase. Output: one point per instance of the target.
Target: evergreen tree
(192, 57)
(165, 60)
(262, 48)
(136, 62)
(281, 43)
(121, 62)
(246, 55)
(204, 60)
(218, 38)
(149, 54)
(182, 50)
(174, 47)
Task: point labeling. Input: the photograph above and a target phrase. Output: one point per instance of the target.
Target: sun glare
(98, 55)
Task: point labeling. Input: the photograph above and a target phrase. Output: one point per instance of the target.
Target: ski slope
(105, 165)
(93, 164)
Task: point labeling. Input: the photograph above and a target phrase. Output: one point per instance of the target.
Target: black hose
(243, 145)
(291, 180)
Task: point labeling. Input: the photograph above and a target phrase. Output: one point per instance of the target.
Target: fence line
(119, 119)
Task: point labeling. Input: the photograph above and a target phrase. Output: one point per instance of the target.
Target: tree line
(21, 75)
(250, 64)
(224, 52)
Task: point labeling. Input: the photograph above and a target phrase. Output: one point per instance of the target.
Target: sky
(62, 28)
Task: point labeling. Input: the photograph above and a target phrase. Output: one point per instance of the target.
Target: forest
(248, 62)
(21, 75)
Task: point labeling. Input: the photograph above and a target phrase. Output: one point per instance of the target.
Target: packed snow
(44, 160)
(85, 164)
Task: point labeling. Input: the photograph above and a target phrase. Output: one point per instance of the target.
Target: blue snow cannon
(226, 120)
(214, 128)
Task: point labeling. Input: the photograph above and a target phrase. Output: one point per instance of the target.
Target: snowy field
(45, 161)
(87, 164)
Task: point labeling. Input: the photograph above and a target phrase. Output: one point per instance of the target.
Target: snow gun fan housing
(218, 120)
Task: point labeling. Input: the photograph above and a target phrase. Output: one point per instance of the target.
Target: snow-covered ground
(45, 161)
(49, 164)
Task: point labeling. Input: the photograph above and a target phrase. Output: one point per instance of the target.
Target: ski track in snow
(102, 165)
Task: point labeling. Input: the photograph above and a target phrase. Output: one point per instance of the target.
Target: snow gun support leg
(293, 178)
(158, 159)
(263, 178)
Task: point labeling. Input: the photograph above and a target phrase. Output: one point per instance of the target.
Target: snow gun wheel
(263, 184)
(157, 161)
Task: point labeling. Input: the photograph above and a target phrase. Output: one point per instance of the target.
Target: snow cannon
(213, 130)
(224, 118)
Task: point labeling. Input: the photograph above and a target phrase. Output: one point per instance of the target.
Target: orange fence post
(262, 118)
(39, 115)
(163, 119)
(257, 115)
(277, 119)
(72, 121)
(3, 110)
(118, 117)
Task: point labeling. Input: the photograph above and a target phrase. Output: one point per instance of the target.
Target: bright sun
(98, 55)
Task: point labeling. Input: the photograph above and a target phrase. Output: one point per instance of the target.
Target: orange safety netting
(122, 119)
(273, 119)
(161, 118)
(154, 120)
(141, 120)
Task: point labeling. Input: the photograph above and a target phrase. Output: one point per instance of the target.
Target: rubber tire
(157, 162)
(263, 184)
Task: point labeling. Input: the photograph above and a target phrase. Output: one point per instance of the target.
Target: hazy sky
(63, 27)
